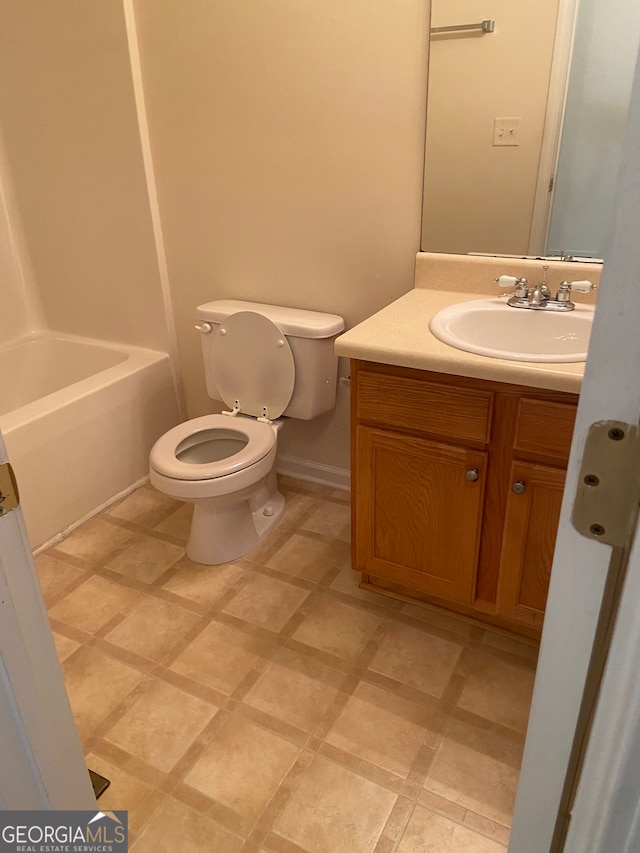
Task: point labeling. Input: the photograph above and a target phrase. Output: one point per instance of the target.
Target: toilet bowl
(263, 361)
(224, 466)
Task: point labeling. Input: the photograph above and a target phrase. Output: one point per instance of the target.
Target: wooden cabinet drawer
(413, 404)
(544, 428)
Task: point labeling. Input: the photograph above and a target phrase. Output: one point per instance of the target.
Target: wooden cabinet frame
(508, 433)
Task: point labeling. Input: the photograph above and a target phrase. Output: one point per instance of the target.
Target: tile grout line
(276, 647)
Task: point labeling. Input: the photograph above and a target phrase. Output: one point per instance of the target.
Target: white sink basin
(490, 327)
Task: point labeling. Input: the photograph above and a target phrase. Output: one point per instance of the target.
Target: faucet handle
(510, 281)
(582, 286)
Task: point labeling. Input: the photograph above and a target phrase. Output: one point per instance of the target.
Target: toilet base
(222, 532)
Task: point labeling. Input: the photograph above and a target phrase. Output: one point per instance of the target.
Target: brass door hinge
(9, 497)
(608, 494)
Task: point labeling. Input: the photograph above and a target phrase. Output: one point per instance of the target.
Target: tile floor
(272, 705)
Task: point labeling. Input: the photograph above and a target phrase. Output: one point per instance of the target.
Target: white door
(42, 762)
(604, 813)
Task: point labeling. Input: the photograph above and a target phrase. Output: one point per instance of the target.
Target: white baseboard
(314, 472)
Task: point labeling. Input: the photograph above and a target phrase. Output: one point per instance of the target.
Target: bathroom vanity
(458, 466)
(457, 485)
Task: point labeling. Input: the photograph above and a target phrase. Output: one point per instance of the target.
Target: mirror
(524, 125)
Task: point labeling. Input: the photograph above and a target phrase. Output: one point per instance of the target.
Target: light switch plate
(506, 131)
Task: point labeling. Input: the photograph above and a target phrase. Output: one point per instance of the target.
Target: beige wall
(479, 198)
(20, 310)
(72, 143)
(287, 142)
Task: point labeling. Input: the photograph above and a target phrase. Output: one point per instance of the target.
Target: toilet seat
(253, 365)
(260, 438)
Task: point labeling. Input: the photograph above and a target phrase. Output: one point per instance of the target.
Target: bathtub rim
(137, 358)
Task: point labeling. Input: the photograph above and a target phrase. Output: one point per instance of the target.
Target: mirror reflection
(524, 124)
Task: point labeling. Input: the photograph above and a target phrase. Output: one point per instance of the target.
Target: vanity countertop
(399, 334)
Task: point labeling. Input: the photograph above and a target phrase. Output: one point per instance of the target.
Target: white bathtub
(79, 417)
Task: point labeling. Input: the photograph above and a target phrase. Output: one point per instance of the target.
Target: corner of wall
(24, 308)
(147, 156)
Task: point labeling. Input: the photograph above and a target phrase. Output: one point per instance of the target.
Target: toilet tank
(310, 334)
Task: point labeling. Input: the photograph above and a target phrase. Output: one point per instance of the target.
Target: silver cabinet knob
(519, 487)
(472, 475)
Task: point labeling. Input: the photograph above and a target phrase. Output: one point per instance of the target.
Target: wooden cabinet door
(418, 516)
(530, 528)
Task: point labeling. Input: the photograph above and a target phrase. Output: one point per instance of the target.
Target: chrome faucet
(539, 297)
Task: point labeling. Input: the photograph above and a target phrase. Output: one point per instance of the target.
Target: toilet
(267, 363)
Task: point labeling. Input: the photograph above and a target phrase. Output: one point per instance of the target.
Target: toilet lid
(253, 365)
(186, 451)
